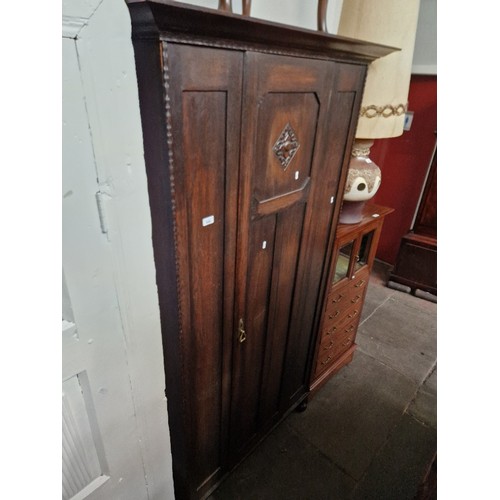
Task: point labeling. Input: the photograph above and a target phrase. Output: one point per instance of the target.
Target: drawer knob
(334, 315)
(327, 360)
(329, 346)
(347, 342)
(361, 283)
(338, 299)
(356, 299)
(331, 330)
(350, 329)
(353, 314)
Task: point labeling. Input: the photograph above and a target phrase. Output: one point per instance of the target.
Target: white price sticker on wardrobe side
(206, 221)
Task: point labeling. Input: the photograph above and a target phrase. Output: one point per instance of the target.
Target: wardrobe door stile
(327, 182)
(204, 90)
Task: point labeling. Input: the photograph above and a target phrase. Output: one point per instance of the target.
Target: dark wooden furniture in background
(248, 127)
(353, 255)
(416, 264)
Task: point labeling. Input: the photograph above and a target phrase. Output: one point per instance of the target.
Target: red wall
(404, 162)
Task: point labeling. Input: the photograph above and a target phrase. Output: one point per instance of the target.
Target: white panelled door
(101, 453)
(115, 435)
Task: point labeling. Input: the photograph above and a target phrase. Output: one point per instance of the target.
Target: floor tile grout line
(421, 422)
(394, 296)
(429, 373)
(319, 451)
(419, 384)
(376, 454)
(380, 448)
(414, 306)
(375, 310)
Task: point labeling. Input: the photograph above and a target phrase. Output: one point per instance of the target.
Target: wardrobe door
(204, 108)
(285, 214)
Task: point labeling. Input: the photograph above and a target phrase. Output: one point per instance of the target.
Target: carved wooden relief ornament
(286, 146)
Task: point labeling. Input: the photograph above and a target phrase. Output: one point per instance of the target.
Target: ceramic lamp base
(351, 212)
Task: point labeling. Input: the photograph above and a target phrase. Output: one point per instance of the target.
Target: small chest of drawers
(353, 255)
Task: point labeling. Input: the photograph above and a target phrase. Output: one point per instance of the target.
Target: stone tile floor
(370, 432)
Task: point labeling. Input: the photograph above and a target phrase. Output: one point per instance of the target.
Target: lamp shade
(389, 22)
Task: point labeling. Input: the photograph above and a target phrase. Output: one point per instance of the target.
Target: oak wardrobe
(248, 127)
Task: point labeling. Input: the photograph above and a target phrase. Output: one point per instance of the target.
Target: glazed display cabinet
(353, 256)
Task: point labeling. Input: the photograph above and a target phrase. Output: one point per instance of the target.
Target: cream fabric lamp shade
(385, 98)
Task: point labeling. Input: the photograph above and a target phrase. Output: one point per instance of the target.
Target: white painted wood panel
(109, 80)
(111, 326)
(99, 349)
(81, 465)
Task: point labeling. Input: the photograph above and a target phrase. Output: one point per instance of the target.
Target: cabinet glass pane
(342, 264)
(364, 250)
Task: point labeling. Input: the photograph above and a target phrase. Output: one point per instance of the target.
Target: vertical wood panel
(248, 356)
(321, 216)
(204, 140)
(288, 235)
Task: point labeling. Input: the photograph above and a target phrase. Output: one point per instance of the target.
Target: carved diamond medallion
(286, 146)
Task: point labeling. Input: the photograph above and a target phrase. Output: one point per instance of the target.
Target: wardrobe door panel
(285, 109)
(203, 183)
(286, 131)
(285, 260)
(204, 100)
(249, 343)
